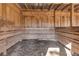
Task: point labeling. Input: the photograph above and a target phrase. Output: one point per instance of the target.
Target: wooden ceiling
(47, 6)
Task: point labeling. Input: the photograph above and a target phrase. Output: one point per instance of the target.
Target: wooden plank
(71, 14)
(0, 9)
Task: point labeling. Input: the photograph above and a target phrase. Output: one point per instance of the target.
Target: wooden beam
(4, 10)
(34, 5)
(65, 7)
(55, 13)
(43, 6)
(60, 19)
(38, 6)
(50, 6)
(76, 7)
(30, 6)
(58, 5)
(26, 6)
(71, 14)
(62, 6)
(54, 18)
(18, 6)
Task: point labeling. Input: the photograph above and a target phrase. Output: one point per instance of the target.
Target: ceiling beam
(43, 6)
(65, 7)
(50, 6)
(76, 7)
(38, 6)
(18, 5)
(30, 6)
(33, 6)
(71, 14)
(58, 5)
(26, 6)
(61, 6)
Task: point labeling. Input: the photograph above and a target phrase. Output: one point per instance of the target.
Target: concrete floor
(34, 48)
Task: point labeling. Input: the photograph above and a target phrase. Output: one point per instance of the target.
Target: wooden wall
(62, 19)
(46, 19)
(10, 16)
(39, 19)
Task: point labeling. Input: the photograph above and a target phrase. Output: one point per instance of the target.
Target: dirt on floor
(34, 48)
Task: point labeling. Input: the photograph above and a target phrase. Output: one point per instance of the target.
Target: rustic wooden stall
(42, 20)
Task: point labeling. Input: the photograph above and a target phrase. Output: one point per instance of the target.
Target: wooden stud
(71, 14)
(4, 10)
(54, 18)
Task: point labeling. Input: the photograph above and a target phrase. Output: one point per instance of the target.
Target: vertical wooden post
(54, 18)
(71, 14)
(21, 24)
(31, 20)
(4, 10)
(47, 22)
(37, 22)
(23, 17)
(41, 22)
(22, 21)
(71, 23)
(60, 19)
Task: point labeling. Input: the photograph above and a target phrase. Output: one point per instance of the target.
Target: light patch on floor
(68, 52)
(53, 52)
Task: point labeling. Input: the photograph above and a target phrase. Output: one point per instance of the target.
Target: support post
(54, 18)
(71, 14)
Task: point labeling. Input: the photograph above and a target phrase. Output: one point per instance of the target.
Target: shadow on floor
(62, 49)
